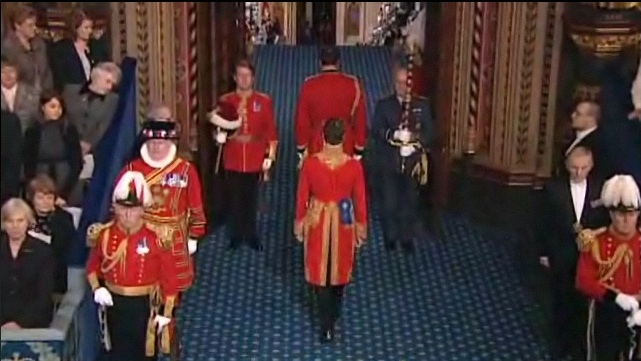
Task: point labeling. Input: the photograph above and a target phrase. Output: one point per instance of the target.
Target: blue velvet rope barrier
(110, 157)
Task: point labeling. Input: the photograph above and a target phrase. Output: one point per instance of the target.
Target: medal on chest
(142, 247)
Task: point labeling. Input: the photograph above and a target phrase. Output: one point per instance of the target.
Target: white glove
(102, 296)
(403, 135)
(192, 246)
(221, 137)
(267, 163)
(627, 303)
(407, 150)
(635, 320)
(161, 322)
(358, 157)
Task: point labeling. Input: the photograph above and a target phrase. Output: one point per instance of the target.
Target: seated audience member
(52, 225)
(27, 50)
(27, 268)
(11, 161)
(18, 97)
(52, 147)
(91, 106)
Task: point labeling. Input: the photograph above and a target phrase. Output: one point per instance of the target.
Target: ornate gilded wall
(505, 68)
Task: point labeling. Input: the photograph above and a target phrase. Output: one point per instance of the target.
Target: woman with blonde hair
(27, 269)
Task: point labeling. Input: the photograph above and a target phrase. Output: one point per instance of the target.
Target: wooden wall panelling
(549, 90)
(186, 72)
(460, 108)
(442, 96)
(521, 87)
(482, 77)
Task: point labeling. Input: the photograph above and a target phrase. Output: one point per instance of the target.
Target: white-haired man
(609, 273)
(129, 270)
(91, 107)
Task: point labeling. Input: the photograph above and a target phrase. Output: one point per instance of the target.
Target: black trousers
(329, 300)
(400, 206)
(570, 307)
(243, 204)
(127, 320)
(612, 337)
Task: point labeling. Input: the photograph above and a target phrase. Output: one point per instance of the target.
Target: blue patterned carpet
(454, 300)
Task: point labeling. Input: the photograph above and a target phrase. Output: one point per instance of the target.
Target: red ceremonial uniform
(331, 94)
(610, 263)
(116, 260)
(325, 183)
(256, 139)
(177, 202)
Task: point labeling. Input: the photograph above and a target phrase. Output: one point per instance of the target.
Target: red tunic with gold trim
(608, 262)
(331, 213)
(177, 202)
(116, 259)
(256, 139)
(331, 94)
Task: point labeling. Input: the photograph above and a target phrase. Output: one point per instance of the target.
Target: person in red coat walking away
(330, 94)
(609, 274)
(331, 221)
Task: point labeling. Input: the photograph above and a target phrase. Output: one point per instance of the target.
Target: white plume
(143, 192)
(620, 190)
(219, 121)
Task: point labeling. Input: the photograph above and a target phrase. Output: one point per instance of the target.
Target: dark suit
(60, 227)
(11, 163)
(399, 189)
(604, 163)
(91, 113)
(66, 64)
(26, 105)
(27, 283)
(557, 237)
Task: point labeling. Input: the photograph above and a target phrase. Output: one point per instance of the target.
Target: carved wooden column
(504, 75)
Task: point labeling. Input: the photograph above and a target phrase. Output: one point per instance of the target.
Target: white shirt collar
(584, 133)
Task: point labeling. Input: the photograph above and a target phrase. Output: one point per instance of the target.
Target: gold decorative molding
(606, 45)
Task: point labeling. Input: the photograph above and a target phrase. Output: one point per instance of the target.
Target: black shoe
(254, 243)
(327, 336)
(234, 243)
(408, 247)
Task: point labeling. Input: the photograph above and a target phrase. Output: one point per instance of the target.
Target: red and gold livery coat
(608, 263)
(330, 94)
(326, 184)
(134, 265)
(257, 137)
(177, 202)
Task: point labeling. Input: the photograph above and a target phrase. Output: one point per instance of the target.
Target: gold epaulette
(164, 232)
(94, 231)
(226, 95)
(264, 95)
(313, 76)
(587, 238)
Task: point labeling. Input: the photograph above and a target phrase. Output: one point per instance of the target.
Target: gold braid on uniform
(587, 242)
(419, 172)
(164, 232)
(93, 232)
